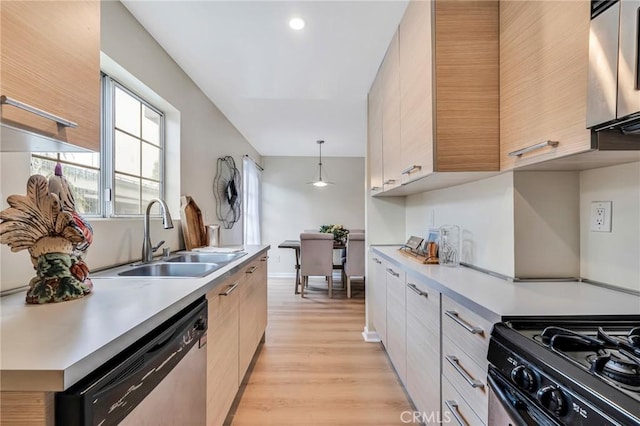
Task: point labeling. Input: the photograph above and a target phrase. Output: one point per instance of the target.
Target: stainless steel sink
(171, 270)
(220, 258)
(161, 270)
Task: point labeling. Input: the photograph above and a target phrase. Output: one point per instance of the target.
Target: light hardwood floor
(315, 368)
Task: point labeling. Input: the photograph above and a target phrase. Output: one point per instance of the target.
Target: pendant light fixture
(319, 182)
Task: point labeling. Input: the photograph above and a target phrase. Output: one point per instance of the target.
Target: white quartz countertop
(495, 298)
(50, 347)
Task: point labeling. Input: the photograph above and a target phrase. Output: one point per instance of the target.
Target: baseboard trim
(370, 336)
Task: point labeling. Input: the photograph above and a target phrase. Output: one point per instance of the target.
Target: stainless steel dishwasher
(161, 380)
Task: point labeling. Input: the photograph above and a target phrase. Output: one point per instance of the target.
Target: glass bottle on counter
(449, 247)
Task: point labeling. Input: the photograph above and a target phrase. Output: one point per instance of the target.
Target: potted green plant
(339, 232)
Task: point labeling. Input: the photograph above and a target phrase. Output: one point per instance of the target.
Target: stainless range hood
(613, 99)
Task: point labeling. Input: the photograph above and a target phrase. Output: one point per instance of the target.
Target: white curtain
(251, 200)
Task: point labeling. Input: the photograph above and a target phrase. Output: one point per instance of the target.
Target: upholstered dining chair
(316, 258)
(354, 262)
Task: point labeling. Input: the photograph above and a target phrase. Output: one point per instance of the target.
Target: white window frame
(107, 158)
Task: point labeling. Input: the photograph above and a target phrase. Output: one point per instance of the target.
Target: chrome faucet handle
(156, 247)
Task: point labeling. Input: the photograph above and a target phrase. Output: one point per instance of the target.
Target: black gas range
(565, 371)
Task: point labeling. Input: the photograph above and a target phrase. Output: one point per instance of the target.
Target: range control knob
(552, 399)
(524, 378)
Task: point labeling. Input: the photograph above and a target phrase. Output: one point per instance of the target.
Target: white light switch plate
(601, 216)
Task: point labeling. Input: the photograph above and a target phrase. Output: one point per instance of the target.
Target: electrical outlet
(601, 216)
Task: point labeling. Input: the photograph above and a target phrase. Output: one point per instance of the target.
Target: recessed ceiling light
(297, 23)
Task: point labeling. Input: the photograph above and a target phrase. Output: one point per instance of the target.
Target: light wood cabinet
(51, 61)
(465, 343)
(391, 160)
(222, 349)
(27, 408)
(416, 89)
(455, 409)
(253, 312)
(377, 281)
(423, 346)
(544, 51)
(374, 131)
(237, 321)
(449, 87)
(396, 321)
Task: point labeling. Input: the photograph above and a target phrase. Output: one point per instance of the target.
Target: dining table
(295, 245)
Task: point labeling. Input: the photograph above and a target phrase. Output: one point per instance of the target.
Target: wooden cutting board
(193, 229)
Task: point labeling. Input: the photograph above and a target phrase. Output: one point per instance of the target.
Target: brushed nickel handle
(251, 270)
(375, 188)
(470, 328)
(417, 290)
(389, 182)
(37, 111)
(229, 289)
(455, 363)
(264, 258)
(520, 152)
(377, 261)
(392, 272)
(410, 169)
(453, 407)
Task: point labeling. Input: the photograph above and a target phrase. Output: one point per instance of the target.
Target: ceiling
(282, 89)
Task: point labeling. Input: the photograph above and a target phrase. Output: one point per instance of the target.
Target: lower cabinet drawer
(455, 410)
(466, 376)
(470, 331)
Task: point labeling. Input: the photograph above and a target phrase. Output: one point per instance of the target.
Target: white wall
(484, 212)
(205, 134)
(612, 258)
(547, 224)
(290, 205)
(538, 223)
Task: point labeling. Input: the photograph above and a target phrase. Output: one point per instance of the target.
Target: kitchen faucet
(147, 248)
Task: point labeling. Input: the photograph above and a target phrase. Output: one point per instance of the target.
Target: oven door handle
(504, 401)
(497, 385)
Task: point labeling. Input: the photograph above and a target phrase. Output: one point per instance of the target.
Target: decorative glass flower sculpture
(46, 224)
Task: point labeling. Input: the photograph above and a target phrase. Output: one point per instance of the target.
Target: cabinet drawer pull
(453, 407)
(392, 272)
(264, 258)
(377, 261)
(375, 188)
(455, 363)
(470, 328)
(229, 289)
(417, 290)
(410, 169)
(251, 270)
(519, 152)
(37, 111)
(389, 182)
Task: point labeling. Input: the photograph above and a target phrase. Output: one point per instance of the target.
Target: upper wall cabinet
(374, 131)
(449, 86)
(51, 63)
(448, 95)
(544, 50)
(391, 158)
